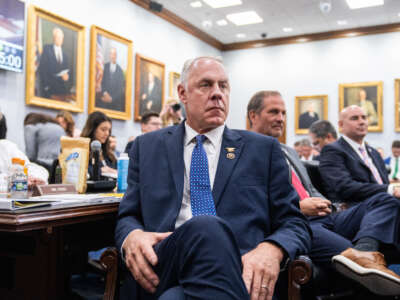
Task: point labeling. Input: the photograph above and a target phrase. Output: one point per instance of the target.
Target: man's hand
(140, 256)
(261, 268)
(314, 206)
(396, 191)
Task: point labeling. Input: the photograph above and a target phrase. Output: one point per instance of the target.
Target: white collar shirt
(58, 54)
(212, 147)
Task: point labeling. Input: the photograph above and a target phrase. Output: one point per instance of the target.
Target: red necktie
(299, 186)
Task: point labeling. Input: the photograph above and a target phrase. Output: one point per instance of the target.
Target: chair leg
(109, 260)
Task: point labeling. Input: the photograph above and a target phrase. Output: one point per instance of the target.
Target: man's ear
(252, 116)
(182, 93)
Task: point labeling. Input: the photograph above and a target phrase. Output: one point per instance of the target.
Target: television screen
(12, 16)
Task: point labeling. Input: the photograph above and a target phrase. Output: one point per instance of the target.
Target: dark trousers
(203, 258)
(377, 218)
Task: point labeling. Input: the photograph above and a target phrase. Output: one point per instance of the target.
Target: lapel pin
(230, 154)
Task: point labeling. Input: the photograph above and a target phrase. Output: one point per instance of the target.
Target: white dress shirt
(212, 147)
(58, 54)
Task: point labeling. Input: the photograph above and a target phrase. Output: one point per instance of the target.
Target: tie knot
(200, 139)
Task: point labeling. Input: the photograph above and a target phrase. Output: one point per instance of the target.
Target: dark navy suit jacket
(345, 174)
(251, 191)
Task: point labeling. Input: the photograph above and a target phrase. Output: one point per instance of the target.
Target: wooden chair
(299, 273)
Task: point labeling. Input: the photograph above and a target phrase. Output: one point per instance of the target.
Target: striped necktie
(370, 166)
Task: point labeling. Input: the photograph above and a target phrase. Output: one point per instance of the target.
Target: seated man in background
(393, 162)
(203, 209)
(352, 170)
(322, 133)
(306, 150)
(149, 122)
(355, 233)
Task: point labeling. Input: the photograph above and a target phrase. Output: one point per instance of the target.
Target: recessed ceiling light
(244, 18)
(222, 22)
(398, 14)
(352, 34)
(355, 4)
(287, 29)
(240, 35)
(342, 22)
(222, 3)
(196, 4)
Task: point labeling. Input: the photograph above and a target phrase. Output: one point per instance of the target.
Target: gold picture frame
(367, 95)
(397, 104)
(149, 86)
(309, 109)
(174, 80)
(110, 81)
(54, 75)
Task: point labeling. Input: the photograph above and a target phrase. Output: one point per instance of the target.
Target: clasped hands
(261, 265)
(315, 206)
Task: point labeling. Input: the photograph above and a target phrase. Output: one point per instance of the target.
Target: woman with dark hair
(42, 138)
(64, 118)
(98, 127)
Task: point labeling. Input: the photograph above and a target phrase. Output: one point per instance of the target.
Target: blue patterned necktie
(201, 198)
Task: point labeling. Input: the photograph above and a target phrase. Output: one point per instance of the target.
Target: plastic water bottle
(19, 179)
(122, 166)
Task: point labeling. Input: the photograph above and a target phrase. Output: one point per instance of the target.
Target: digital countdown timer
(11, 56)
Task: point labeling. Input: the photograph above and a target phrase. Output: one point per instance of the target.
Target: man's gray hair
(189, 63)
(321, 129)
(305, 142)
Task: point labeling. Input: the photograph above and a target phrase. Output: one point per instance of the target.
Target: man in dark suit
(372, 221)
(216, 239)
(352, 170)
(112, 85)
(54, 72)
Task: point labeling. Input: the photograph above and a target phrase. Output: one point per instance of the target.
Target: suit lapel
(231, 140)
(352, 153)
(294, 163)
(174, 145)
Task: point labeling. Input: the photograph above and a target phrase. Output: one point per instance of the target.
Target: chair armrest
(108, 265)
(299, 273)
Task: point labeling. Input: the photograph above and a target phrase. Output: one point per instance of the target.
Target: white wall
(151, 36)
(317, 68)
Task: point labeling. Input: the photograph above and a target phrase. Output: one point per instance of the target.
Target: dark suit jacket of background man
(50, 84)
(345, 174)
(155, 96)
(251, 191)
(114, 84)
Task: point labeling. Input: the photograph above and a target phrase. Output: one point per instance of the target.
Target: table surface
(56, 215)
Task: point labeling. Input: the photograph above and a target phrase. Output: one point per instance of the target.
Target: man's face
(113, 56)
(271, 119)
(58, 38)
(318, 142)
(206, 96)
(363, 95)
(396, 151)
(354, 124)
(153, 124)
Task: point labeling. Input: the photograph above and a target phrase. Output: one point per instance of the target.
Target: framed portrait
(174, 79)
(397, 104)
(55, 61)
(367, 95)
(149, 86)
(309, 109)
(110, 88)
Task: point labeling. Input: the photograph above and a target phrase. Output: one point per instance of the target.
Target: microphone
(95, 146)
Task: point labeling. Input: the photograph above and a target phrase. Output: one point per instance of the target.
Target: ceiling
(303, 16)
